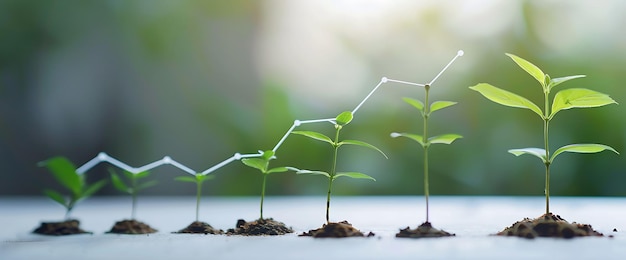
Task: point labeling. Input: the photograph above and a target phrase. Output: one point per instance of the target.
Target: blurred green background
(200, 80)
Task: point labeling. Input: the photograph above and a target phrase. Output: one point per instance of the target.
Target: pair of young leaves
(65, 173)
(133, 187)
(438, 139)
(564, 99)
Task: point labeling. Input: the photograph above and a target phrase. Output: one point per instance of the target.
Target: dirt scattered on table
(259, 227)
(199, 227)
(336, 229)
(548, 225)
(132, 227)
(424, 230)
(68, 227)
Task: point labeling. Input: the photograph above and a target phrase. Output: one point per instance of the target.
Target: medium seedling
(134, 187)
(65, 173)
(262, 164)
(340, 121)
(198, 179)
(425, 141)
(564, 99)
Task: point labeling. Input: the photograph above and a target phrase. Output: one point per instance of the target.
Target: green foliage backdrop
(201, 80)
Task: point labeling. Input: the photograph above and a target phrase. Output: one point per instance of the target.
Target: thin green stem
(546, 122)
(426, 145)
(199, 193)
(133, 194)
(332, 172)
(263, 193)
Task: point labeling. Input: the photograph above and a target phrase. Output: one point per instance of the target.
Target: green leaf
(204, 177)
(267, 155)
(65, 173)
(186, 179)
(278, 169)
(56, 197)
(93, 188)
(128, 175)
(506, 98)
(415, 103)
(256, 163)
(118, 183)
(444, 139)
(582, 148)
(538, 152)
(146, 185)
(354, 175)
(363, 144)
(140, 175)
(313, 172)
(315, 135)
(530, 69)
(344, 118)
(437, 105)
(557, 81)
(417, 138)
(579, 98)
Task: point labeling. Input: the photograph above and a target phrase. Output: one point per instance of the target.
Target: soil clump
(336, 229)
(424, 230)
(131, 227)
(68, 227)
(199, 227)
(548, 225)
(259, 227)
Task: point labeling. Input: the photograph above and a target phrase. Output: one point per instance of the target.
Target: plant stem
(133, 194)
(332, 172)
(199, 193)
(263, 193)
(546, 122)
(426, 145)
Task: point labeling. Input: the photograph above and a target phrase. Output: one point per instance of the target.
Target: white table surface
(473, 219)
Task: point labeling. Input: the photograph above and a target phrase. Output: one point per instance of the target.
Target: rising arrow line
(103, 157)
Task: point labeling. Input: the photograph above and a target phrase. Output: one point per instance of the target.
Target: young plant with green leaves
(134, 187)
(340, 121)
(426, 109)
(198, 179)
(563, 100)
(65, 173)
(262, 164)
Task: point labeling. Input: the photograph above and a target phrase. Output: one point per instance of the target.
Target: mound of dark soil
(132, 227)
(548, 225)
(424, 230)
(199, 227)
(336, 229)
(259, 227)
(68, 227)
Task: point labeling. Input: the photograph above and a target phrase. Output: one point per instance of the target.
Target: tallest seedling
(564, 99)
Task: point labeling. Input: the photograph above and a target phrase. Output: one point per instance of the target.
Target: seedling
(424, 140)
(198, 179)
(261, 164)
(564, 99)
(65, 173)
(134, 187)
(340, 121)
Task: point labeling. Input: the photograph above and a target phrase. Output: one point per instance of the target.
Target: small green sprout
(424, 140)
(340, 121)
(198, 179)
(564, 99)
(134, 186)
(262, 164)
(65, 173)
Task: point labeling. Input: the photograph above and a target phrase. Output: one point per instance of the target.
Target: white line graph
(103, 157)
